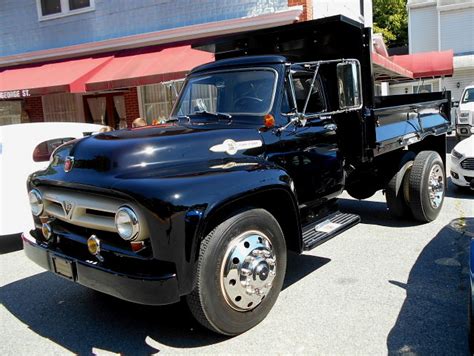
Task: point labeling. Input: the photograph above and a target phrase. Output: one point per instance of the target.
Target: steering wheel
(238, 102)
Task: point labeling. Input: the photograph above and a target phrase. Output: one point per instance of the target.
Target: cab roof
(241, 61)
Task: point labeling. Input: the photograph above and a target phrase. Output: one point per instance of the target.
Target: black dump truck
(249, 165)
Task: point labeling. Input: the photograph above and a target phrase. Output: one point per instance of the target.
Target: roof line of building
(185, 33)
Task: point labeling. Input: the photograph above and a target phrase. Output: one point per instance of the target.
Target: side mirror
(349, 85)
(455, 104)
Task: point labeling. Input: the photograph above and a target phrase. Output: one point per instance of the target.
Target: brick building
(91, 61)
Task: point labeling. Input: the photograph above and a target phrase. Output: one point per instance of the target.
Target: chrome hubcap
(436, 186)
(248, 270)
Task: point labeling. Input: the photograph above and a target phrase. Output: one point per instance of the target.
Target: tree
(391, 19)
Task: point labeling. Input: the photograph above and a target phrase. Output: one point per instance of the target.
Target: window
(424, 88)
(43, 151)
(302, 85)
(158, 100)
(63, 108)
(235, 92)
(10, 112)
(51, 9)
(468, 96)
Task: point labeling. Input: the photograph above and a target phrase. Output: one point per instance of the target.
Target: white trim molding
(184, 33)
(463, 62)
(422, 4)
(460, 6)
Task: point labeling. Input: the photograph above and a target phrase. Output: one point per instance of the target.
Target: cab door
(309, 153)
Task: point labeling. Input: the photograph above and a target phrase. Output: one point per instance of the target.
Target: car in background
(462, 162)
(465, 114)
(25, 148)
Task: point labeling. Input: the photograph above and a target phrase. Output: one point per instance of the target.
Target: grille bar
(468, 164)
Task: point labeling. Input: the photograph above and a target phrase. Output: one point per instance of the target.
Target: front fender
(181, 200)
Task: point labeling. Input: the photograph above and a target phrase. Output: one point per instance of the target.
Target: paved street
(383, 286)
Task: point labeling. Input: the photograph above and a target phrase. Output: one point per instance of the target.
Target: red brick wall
(34, 108)
(307, 13)
(131, 106)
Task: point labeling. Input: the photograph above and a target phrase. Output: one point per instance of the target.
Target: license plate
(63, 267)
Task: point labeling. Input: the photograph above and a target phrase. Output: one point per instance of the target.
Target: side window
(43, 151)
(302, 85)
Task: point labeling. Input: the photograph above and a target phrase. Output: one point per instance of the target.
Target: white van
(24, 149)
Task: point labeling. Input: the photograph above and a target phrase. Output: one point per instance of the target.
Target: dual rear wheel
(417, 189)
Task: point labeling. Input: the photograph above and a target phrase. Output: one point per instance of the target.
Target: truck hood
(466, 147)
(466, 106)
(158, 148)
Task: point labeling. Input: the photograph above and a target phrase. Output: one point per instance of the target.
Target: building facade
(94, 45)
(440, 25)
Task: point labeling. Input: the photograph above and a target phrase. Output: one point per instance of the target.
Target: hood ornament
(68, 164)
(231, 147)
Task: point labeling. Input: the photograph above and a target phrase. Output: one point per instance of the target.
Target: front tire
(240, 273)
(427, 186)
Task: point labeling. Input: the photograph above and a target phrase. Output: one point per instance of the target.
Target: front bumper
(158, 289)
(460, 176)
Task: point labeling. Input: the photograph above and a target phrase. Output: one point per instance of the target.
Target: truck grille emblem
(67, 207)
(68, 164)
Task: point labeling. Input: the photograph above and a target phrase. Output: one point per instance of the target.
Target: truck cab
(465, 113)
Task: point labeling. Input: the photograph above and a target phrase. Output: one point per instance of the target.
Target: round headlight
(36, 202)
(126, 222)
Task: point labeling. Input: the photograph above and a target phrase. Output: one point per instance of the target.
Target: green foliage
(391, 19)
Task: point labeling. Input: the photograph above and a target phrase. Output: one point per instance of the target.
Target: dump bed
(402, 120)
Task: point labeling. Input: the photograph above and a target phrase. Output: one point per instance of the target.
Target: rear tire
(240, 273)
(427, 185)
(397, 188)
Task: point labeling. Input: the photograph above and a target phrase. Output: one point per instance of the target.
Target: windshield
(468, 96)
(236, 92)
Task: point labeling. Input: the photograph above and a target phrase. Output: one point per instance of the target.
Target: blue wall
(21, 31)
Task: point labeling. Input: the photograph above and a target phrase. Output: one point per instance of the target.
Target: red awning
(147, 68)
(119, 70)
(386, 70)
(59, 77)
(427, 64)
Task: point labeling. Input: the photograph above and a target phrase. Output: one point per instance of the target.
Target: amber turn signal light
(269, 120)
(137, 246)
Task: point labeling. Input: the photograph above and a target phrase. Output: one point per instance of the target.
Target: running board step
(325, 229)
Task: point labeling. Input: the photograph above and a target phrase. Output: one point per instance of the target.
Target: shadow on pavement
(373, 213)
(84, 321)
(454, 191)
(433, 318)
(299, 266)
(10, 243)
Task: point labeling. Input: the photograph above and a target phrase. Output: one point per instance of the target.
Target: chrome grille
(468, 164)
(87, 210)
